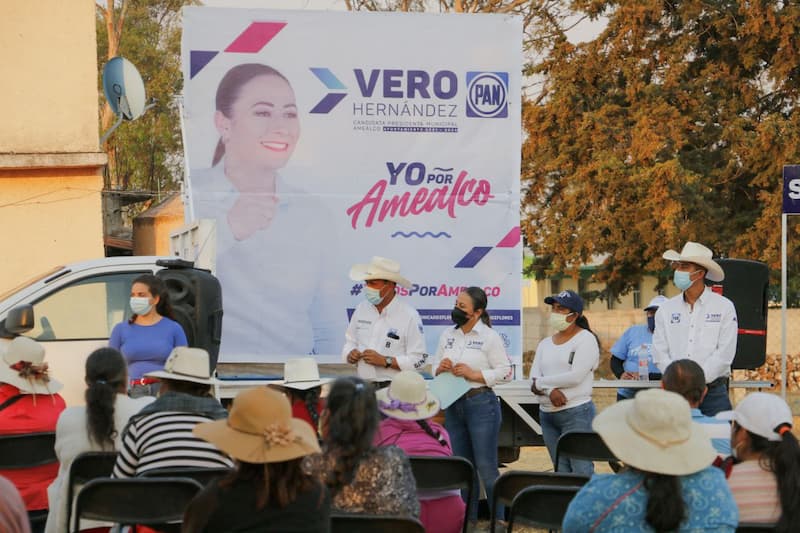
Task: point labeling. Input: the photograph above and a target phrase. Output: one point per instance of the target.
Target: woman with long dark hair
(669, 483)
(268, 489)
(562, 374)
(97, 426)
(362, 478)
(147, 338)
(303, 386)
(474, 351)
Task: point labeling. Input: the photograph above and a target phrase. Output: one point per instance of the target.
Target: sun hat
(185, 364)
(654, 432)
(656, 302)
(407, 398)
(761, 413)
(260, 429)
(301, 373)
(25, 368)
(569, 299)
(694, 252)
(379, 268)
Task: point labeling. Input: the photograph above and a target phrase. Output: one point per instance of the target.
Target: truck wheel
(507, 454)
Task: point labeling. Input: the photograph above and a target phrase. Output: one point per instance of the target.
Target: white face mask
(140, 305)
(559, 322)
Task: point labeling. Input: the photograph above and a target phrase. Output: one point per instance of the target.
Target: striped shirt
(756, 493)
(164, 440)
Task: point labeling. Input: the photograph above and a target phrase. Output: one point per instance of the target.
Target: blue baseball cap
(568, 299)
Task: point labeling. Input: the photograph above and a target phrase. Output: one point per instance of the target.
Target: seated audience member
(361, 478)
(669, 483)
(29, 403)
(765, 479)
(408, 406)
(268, 490)
(13, 516)
(303, 386)
(685, 377)
(97, 426)
(160, 435)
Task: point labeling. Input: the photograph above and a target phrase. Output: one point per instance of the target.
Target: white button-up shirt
(706, 333)
(396, 331)
(481, 349)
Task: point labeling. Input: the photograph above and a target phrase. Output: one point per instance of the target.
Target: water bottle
(644, 363)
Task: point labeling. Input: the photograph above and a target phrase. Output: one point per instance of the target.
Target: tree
(671, 125)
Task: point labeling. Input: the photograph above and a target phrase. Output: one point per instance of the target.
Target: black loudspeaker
(196, 298)
(745, 285)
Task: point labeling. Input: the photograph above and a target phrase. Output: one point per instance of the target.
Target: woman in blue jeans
(562, 372)
(474, 351)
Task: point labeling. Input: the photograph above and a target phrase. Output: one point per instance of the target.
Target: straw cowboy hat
(407, 398)
(654, 432)
(694, 252)
(260, 429)
(301, 374)
(379, 268)
(25, 369)
(186, 364)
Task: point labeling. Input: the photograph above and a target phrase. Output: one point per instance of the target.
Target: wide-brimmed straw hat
(407, 398)
(379, 268)
(694, 252)
(186, 364)
(654, 432)
(260, 429)
(23, 367)
(301, 374)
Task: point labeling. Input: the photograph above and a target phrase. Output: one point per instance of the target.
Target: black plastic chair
(541, 507)
(752, 527)
(584, 445)
(509, 484)
(29, 451)
(444, 473)
(136, 501)
(204, 476)
(84, 468)
(362, 523)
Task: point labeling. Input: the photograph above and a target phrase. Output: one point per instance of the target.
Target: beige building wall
(535, 291)
(151, 229)
(50, 162)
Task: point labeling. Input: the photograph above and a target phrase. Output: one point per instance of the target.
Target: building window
(581, 286)
(637, 296)
(555, 286)
(611, 300)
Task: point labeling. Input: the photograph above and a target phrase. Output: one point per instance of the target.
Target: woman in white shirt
(474, 351)
(562, 372)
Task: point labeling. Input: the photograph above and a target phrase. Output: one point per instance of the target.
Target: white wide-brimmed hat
(301, 374)
(260, 429)
(23, 367)
(654, 432)
(407, 398)
(186, 364)
(694, 252)
(761, 413)
(379, 268)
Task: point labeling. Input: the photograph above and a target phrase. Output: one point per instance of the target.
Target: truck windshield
(31, 281)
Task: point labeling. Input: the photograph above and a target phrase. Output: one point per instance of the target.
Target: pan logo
(487, 94)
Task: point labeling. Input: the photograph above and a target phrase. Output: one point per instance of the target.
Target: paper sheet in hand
(448, 388)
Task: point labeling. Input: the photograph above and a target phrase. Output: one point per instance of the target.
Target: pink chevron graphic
(511, 239)
(255, 37)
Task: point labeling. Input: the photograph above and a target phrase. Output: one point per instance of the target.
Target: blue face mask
(683, 280)
(651, 323)
(373, 296)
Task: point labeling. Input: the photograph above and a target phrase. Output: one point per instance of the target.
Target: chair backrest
(541, 507)
(444, 473)
(509, 484)
(586, 445)
(135, 500)
(204, 476)
(27, 451)
(84, 468)
(752, 527)
(361, 523)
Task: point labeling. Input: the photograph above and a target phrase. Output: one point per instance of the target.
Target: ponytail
(665, 507)
(106, 374)
(311, 399)
(783, 459)
(433, 433)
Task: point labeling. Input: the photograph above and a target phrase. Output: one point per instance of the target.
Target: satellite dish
(124, 88)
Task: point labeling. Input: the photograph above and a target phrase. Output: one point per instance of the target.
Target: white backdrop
(410, 143)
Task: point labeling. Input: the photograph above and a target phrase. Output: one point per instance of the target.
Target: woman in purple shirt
(148, 337)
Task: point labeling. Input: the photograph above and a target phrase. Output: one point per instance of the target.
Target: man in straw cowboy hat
(385, 334)
(698, 324)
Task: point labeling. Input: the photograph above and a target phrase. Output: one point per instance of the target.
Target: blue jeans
(473, 424)
(556, 424)
(716, 399)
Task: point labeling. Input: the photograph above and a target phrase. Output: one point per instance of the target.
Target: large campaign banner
(318, 140)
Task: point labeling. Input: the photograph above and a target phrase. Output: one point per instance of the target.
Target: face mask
(651, 323)
(683, 280)
(140, 306)
(559, 322)
(459, 316)
(373, 296)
